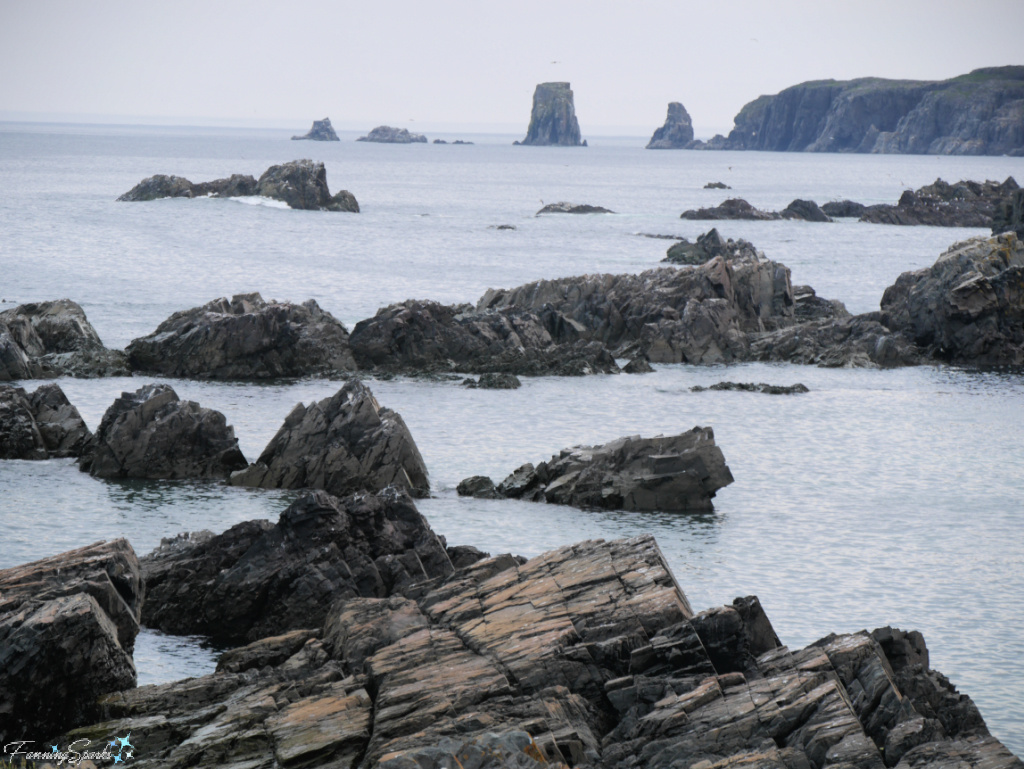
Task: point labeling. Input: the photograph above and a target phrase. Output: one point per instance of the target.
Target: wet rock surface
(385, 134)
(589, 655)
(342, 444)
(322, 131)
(749, 387)
(245, 338)
(674, 473)
(677, 132)
(573, 208)
(553, 118)
(941, 204)
(67, 631)
(151, 433)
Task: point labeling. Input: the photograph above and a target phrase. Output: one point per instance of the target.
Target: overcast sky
(439, 64)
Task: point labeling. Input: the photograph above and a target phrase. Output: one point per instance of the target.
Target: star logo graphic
(117, 759)
(124, 741)
(55, 749)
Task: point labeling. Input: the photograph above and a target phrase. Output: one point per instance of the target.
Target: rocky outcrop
(416, 337)
(573, 208)
(245, 338)
(342, 444)
(151, 433)
(257, 579)
(968, 307)
(804, 210)
(707, 247)
(677, 132)
(749, 387)
(734, 208)
(67, 630)
(589, 655)
(322, 131)
(980, 113)
(1009, 215)
(553, 119)
(717, 186)
(50, 339)
(40, 425)
(674, 474)
(964, 204)
(385, 134)
(843, 209)
(301, 184)
(493, 382)
(860, 341)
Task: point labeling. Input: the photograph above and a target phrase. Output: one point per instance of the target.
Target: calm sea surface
(881, 497)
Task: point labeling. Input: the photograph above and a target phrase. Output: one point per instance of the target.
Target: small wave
(257, 200)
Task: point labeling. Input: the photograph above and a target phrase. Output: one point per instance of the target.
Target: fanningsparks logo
(119, 750)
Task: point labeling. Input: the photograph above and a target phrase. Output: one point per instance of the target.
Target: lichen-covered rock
(257, 580)
(553, 118)
(322, 131)
(677, 131)
(302, 184)
(385, 134)
(152, 433)
(245, 338)
(342, 444)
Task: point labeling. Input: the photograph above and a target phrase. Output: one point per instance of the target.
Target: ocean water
(880, 497)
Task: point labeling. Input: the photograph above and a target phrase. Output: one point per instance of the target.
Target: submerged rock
(246, 338)
(322, 131)
(342, 444)
(677, 131)
(67, 630)
(257, 579)
(553, 118)
(385, 134)
(673, 474)
(151, 433)
(573, 208)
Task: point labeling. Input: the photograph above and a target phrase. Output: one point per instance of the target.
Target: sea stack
(553, 120)
(322, 131)
(677, 131)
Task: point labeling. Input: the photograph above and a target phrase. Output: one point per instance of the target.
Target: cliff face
(553, 120)
(677, 131)
(981, 113)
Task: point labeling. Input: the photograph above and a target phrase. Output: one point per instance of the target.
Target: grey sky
(470, 63)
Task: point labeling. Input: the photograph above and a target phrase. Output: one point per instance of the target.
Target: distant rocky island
(322, 131)
(677, 133)
(385, 134)
(553, 119)
(980, 113)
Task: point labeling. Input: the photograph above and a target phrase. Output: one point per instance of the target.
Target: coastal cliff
(553, 119)
(981, 113)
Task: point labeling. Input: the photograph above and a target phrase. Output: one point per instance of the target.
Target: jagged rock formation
(592, 650)
(573, 208)
(257, 579)
(40, 425)
(385, 134)
(1009, 216)
(804, 210)
(493, 382)
(737, 208)
(51, 339)
(749, 387)
(246, 338)
(416, 337)
(299, 183)
(675, 473)
(553, 118)
(968, 307)
(322, 131)
(981, 113)
(964, 204)
(152, 433)
(677, 132)
(67, 632)
(707, 247)
(343, 444)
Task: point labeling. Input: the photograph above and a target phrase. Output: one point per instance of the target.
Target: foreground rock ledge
(591, 650)
(676, 473)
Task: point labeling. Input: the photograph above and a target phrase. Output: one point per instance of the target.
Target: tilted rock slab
(152, 434)
(67, 631)
(342, 444)
(968, 307)
(258, 579)
(245, 338)
(40, 425)
(675, 473)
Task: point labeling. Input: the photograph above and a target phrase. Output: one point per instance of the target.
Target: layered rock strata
(677, 132)
(385, 134)
(245, 338)
(342, 444)
(322, 131)
(674, 473)
(553, 118)
(40, 425)
(153, 434)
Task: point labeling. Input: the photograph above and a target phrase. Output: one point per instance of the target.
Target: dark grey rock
(708, 246)
(807, 305)
(479, 486)
(246, 338)
(805, 210)
(162, 186)
(860, 341)
(322, 131)
(302, 184)
(638, 365)
(573, 208)
(151, 433)
(501, 227)
(40, 425)
(843, 209)
(734, 208)
(553, 118)
(495, 381)
(677, 131)
(342, 444)
(19, 435)
(754, 388)
(385, 134)
(940, 204)
(717, 186)
(1009, 216)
